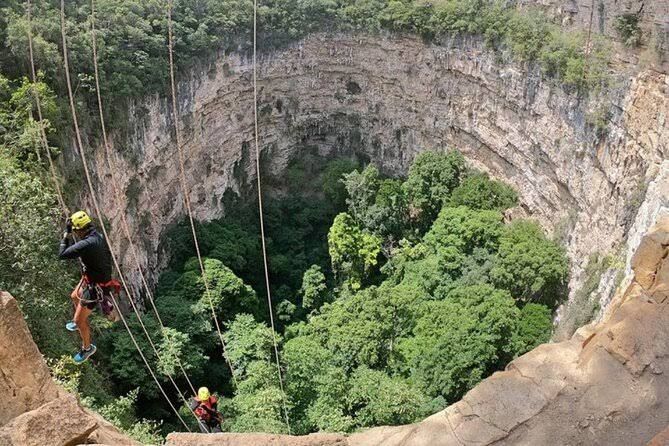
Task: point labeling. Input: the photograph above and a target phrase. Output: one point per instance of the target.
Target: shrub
(627, 26)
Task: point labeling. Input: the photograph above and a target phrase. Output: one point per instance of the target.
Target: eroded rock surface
(34, 410)
(608, 385)
(25, 381)
(255, 440)
(388, 99)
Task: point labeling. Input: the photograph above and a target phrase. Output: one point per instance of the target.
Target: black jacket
(94, 254)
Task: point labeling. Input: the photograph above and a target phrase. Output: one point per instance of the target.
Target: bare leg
(81, 319)
(76, 294)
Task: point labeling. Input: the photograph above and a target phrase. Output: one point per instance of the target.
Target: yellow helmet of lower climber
(203, 394)
(80, 220)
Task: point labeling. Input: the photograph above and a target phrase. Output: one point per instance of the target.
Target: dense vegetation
(425, 292)
(393, 296)
(133, 52)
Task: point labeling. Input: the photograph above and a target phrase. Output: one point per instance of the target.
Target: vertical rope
(82, 153)
(38, 103)
(184, 187)
(116, 189)
(260, 209)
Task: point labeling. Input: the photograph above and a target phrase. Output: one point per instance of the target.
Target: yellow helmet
(203, 394)
(80, 220)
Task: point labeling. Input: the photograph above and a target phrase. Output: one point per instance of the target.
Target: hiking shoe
(84, 354)
(71, 326)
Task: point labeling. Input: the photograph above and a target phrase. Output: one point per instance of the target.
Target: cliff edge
(34, 410)
(608, 385)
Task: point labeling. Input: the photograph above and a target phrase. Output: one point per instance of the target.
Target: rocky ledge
(34, 410)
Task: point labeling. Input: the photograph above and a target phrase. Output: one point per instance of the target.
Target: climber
(204, 405)
(96, 281)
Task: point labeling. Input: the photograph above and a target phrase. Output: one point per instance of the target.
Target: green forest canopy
(394, 325)
(393, 296)
(132, 35)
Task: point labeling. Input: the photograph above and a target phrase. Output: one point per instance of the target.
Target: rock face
(388, 99)
(601, 16)
(255, 440)
(33, 409)
(608, 385)
(25, 381)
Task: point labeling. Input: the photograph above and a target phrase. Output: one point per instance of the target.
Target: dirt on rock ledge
(608, 385)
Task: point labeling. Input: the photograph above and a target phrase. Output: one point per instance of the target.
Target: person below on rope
(96, 263)
(205, 407)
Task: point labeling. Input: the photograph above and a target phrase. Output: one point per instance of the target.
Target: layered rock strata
(581, 165)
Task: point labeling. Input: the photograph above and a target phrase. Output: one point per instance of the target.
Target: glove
(68, 226)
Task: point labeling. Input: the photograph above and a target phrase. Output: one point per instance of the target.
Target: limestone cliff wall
(390, 98)
(599, 17)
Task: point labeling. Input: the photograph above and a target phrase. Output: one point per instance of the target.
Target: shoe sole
(70, 330)
(87, 357)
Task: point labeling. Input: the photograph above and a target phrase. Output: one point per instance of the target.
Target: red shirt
(203, 413)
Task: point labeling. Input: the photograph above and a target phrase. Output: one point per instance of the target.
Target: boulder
(34, 410)
(60, 422)
(25, 381)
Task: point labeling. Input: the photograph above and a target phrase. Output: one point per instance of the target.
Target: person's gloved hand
(68, 226)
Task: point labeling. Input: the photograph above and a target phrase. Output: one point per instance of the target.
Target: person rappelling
(205, 407)
(96, 282)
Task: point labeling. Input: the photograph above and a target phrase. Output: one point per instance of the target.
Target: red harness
(113, 284)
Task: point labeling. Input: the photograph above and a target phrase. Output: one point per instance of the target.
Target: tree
(432, 177)
(534, 328)
(309, 372)
(376, 399)
(353, 251)
(460, 340)
(228, 293)
(529, 265)
(465, 229)
(333, 184)
(28, 239)
(175, 350)
(389, 214)
(247, 341)
(362, 188)
(258, 402)
(314, 289)
(477, 191)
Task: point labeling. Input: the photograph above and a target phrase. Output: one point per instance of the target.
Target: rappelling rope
(182, 176)
(116, 190)
(43, 139)
(82, 153)
(260, 211)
